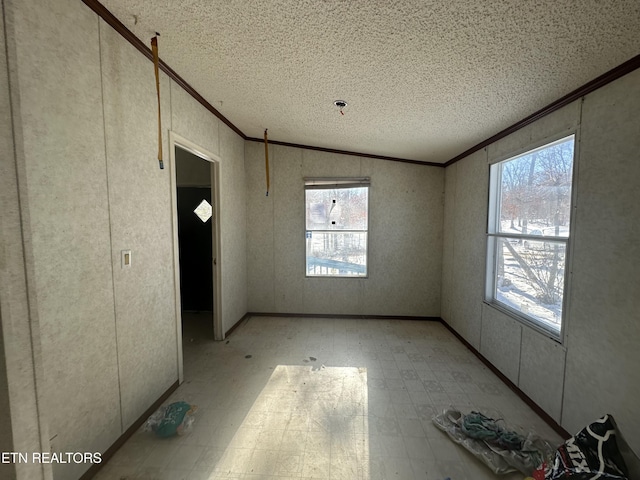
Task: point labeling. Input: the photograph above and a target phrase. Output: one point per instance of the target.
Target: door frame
(176, 140)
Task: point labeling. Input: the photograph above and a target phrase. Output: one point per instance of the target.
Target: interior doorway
(196, 227)
(195, 242)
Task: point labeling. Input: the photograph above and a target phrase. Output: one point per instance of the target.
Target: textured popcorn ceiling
(424, 80)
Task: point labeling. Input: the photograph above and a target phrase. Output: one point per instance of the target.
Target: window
(337, 222)
(528, 234)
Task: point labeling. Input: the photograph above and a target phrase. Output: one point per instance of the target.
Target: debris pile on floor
(174, 419)
(591, 453)
(498, 446)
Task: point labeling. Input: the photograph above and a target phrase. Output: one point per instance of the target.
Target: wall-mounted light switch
(126, 258)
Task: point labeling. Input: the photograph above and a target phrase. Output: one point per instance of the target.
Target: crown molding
(608, 77)
(129, 36)
(346, 152)
(602, 80)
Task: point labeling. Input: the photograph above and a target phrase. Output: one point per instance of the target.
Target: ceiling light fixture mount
(340, 104)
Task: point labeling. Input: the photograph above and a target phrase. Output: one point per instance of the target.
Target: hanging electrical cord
(156, 62)
(266, 158)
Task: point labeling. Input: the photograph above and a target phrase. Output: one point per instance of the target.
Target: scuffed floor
(324, 399)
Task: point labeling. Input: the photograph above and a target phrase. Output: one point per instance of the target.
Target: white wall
(13, 300)
(60, 158)
(604, 321)
(597, 368)
(90, 186)
(405, 236)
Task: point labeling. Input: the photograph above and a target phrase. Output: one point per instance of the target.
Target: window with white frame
(337, 223)
(528, 234)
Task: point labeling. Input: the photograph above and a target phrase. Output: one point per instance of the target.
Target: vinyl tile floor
(324, 398)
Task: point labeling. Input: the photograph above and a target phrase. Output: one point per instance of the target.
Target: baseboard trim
(237, 324)
(93, 470)
(534, 406)
(345, 316)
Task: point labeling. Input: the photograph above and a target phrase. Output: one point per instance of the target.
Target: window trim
(318, 183)
(492, 236)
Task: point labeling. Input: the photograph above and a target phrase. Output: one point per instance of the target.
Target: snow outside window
(337, 222)
(528, 234)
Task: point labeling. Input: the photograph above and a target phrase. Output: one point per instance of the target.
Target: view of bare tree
(534, 201)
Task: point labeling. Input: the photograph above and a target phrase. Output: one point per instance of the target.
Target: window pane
(530, 278)
(336, 253)
(337, 208)
(535, 191)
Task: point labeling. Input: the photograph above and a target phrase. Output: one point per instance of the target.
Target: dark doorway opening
(195, 245)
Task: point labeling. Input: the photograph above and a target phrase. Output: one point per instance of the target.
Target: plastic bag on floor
(174, 419)
(591, 453)
(498, 446)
